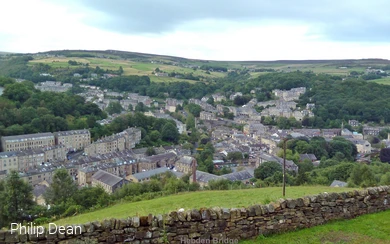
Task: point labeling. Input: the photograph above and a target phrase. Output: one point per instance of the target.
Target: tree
(170, 133)
(234, 156)
(130, 107)
(114, 108)
(362, 176)
(267, 169)
(16, 199)
(384, 155)
(17, 92)
(150, 151)
(190, 122)
(120, 70)
(62, 188)
(88, 197)
(140, 107)
(155, 135)
(194, 109)
(210, 101)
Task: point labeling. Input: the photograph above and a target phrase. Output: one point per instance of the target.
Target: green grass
(370, 228)
(227, 199)
(383, 81)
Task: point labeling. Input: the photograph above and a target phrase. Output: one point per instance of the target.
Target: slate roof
(39, 190)
(310, 157)
(185, 160)
(28, 136)
(205, 177)
(337, 183)
(150, 173)
(107, 178)
(241, 175)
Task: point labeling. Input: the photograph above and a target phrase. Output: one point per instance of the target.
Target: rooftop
(107, 178)
(150, 173)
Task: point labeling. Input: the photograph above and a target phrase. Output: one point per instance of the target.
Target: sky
(201, 29)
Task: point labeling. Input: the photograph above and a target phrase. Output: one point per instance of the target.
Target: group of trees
(355, 174)
(24, 110)
(338, 148)
(349, 99)
(154, 131)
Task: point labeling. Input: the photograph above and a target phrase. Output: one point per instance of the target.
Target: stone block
(276, 205)
(299, 202)
(216, 213)
(225, 213)
(136, 222)
(195, 215)
(306, 201)
(144, 221)
(291, 203)
(270, 208)
(13, 237)
(188, 214)
(205, 213)
(106, 224)
(173, 215)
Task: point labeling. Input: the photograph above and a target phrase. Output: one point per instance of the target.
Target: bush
(73, 210)
(42, 220)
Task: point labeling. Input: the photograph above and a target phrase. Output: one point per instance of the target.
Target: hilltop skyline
(228, 30)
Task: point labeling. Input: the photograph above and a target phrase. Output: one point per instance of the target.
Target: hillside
(173, 69)
(343, 231)
(226, 199)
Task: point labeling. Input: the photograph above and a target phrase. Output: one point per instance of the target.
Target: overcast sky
(202, 29)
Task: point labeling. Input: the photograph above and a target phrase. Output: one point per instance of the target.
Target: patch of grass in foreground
(370, 228)
(196, 200)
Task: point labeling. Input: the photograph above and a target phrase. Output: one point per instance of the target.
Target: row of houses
(72, 140)
(30, 158)
(126, 139)
(53, 86)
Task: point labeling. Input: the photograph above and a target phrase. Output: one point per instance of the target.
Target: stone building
(207, 116)
(146, 175)
(110, 144)
(108, 181)
(171, 103)
(132, 137)
(121, 169)
(8, 161)
(29, 141)
(74, 139)
(184, 164)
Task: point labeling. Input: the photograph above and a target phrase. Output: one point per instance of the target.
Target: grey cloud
(346, 20)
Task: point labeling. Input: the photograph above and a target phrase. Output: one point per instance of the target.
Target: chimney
(194, 164)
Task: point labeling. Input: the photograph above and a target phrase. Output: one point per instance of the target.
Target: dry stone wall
(221, 225)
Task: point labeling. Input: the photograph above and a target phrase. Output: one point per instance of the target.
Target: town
(115, 160)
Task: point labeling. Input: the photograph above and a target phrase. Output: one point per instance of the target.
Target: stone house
(74, 139)
(108, 181)
(28, 141)
(207, 116)
(265, 157)
(184, 164)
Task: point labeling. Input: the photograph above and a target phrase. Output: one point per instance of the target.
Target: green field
(205, 199)
(370, 228)
(383, 81)
(145, 64)
(129, 67)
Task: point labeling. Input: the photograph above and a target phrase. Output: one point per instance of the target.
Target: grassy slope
(371, 228)
(227, 199)
(129, 67)
(141, 64)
